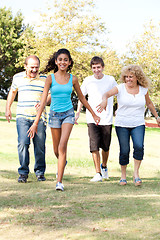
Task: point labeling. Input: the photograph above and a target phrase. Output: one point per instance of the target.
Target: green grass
(85, 210)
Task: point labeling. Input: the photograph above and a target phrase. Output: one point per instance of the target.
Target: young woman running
(61, 116)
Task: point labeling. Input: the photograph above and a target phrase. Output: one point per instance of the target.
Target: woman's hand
(33, 129)
(96, 119)
(102, 106)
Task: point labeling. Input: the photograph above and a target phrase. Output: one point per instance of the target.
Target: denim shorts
(56, 119)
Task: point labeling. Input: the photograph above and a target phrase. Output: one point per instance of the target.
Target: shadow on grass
(82, 201)
(81, 207)
(68, 178)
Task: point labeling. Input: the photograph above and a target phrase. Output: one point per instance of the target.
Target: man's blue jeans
(137, 135)
(39, 139)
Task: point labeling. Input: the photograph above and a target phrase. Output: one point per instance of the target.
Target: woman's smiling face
(62, 62)
(131, 79)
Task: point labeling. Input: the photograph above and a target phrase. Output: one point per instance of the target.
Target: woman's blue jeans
(137, 135)
(39, 139)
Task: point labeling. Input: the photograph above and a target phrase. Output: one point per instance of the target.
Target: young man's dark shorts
(99, 136)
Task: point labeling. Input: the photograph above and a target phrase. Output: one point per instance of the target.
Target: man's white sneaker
(104, 172)
(97, 178)
(59, 186)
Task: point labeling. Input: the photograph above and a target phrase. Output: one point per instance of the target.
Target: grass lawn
(85, 210)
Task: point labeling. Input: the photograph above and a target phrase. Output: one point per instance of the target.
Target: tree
(73, 25)
(112, 64)
(12, 47)
(146, 53)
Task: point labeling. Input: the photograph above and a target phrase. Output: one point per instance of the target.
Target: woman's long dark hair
(51, 62)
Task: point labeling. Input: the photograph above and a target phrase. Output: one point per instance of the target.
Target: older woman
(132, 96)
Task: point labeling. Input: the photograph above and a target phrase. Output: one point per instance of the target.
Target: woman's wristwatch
(157, 118)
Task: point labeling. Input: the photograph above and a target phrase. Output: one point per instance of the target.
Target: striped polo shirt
(29, 94)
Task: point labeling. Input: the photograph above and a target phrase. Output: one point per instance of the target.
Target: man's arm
(10, 99)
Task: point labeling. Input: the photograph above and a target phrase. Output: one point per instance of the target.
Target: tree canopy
(73, 25)
(66, 24)
(145, 52)
(12, 47)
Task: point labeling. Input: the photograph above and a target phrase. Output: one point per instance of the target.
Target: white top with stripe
(29, 94)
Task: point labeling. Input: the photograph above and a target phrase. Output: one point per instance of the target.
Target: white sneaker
(59, 186)
(104, 172)
(97, 178)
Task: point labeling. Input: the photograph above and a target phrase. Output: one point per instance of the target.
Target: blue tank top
(61, 95)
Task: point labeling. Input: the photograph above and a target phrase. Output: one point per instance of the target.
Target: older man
(29, 85)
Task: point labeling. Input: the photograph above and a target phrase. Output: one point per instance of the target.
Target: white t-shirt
(131, 107)
(95, 88)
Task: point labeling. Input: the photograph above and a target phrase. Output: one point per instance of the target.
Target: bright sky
(124, 18)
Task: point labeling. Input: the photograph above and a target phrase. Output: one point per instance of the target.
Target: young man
(29, 85)
(99, 135)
